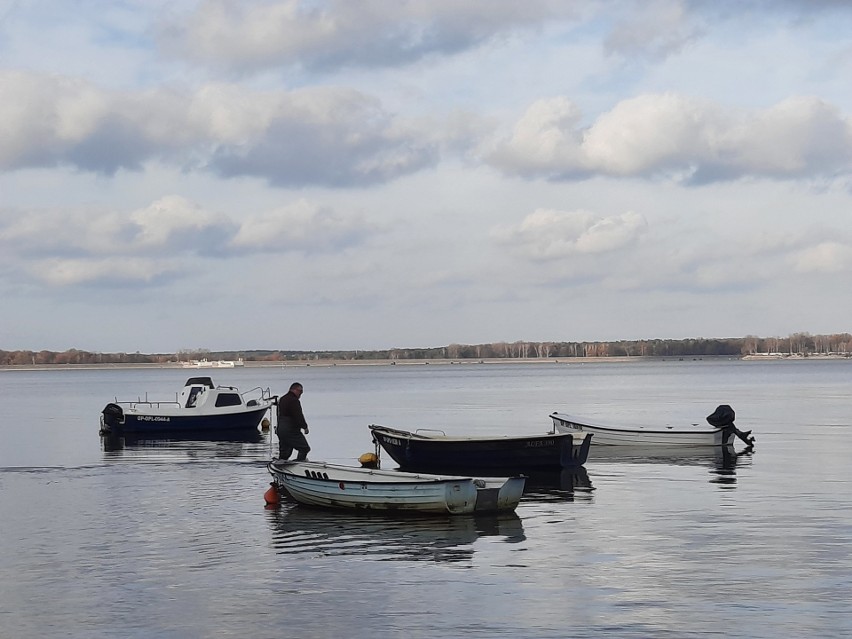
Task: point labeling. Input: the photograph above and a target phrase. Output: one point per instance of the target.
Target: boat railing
(265, 393)
(157, 404)
(146, 402)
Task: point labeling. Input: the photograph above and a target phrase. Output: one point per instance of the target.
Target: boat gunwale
(404, 434)
(649, 431)
(415, 478)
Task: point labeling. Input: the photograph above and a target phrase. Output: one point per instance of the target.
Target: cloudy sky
(312, 174)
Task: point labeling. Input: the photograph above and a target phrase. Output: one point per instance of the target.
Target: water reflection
(565, 485)
(724, 472)
(721, 460)
(298, 529)
(221, 444)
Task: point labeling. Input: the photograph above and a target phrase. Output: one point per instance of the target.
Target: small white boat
(722, 434)
(374, 489)
(219, 363)
(200, 407)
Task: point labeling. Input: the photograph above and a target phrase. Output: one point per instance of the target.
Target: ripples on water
(299, 530)
(170, 538)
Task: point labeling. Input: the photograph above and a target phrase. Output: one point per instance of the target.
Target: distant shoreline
(346, 362)
(415, 362)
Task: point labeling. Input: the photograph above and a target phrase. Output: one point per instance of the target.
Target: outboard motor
(723, 417)
(112, 417)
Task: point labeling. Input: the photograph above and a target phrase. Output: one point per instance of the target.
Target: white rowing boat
(352, 487)
(722, 434)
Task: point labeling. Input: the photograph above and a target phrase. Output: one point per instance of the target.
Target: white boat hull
(641, 436)
(346, 487)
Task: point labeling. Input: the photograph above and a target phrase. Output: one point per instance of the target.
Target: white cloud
(163, 240)
(175, 223)
(546, 140)
(41, 115)
(684, 138)
(826, 257)
(59, 232)
(799, 136)
(333, 33)
(548, 234)
(652, 133)
(118, 271)
(320, 135)
(301, 226)
(328, 136)
(342, 137)
(171, 225)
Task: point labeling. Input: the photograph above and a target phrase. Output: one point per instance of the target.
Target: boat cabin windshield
(194, 392)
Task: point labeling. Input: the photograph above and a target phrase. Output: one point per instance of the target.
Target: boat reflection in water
(569, 484)
(220, 444)
(724, 468)
(299, 529)
(721, 460)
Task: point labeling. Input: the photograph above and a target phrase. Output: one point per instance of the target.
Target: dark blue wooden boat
(432, 451)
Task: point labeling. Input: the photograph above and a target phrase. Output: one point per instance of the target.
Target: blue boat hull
(247, 420)
(118, 441)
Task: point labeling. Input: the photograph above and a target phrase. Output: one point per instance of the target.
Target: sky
(327, 174)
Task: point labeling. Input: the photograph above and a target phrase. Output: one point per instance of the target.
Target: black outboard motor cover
(723, 416)
(113, 415)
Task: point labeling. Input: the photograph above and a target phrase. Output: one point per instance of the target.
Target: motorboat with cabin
(200, 407)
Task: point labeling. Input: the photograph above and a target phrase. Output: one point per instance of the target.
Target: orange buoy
(271, 495)
(264, 424)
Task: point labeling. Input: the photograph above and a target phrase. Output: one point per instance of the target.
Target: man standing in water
(291, 423)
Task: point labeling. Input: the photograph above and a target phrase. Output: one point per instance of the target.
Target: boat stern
(572, 456)
(498, 494)
(461, 496)
(112, 418)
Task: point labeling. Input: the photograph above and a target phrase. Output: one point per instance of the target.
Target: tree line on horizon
(797, 344)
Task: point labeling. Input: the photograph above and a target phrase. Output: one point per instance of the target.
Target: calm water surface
(172, 539)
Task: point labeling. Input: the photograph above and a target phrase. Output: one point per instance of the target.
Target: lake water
(172, 539)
